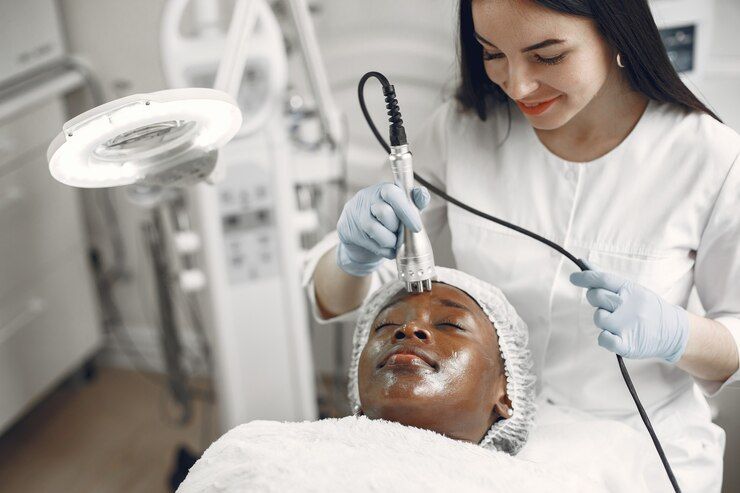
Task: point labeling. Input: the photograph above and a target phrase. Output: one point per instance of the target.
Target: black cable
(394, 114)
(648, 425)
(363, 107)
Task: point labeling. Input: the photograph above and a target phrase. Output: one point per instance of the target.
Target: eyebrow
(453, 304)
(536, 46)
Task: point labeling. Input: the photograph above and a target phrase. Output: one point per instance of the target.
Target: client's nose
(411, 331)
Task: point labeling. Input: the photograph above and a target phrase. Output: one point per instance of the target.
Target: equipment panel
(248, 222)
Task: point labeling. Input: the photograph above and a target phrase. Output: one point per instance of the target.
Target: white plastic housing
(144, 138)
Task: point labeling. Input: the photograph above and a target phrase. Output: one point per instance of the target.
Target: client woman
(453, 360)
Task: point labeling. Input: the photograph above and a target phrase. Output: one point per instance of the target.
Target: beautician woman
(570, 121)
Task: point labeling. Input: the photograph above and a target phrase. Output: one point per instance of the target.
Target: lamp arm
(329, 115)
(231, 67)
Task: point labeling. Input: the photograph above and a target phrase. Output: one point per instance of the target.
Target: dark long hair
(627, 25)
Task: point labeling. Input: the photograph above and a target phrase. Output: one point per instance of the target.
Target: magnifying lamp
(165, 138)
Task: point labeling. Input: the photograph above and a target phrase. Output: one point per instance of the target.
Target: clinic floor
(107, 435)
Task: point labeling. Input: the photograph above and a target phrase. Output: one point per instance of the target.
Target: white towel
(607, 451)
(359, 454)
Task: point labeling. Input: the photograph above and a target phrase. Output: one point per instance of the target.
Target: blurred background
(137, 324)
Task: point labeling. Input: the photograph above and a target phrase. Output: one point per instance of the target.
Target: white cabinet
(48, 318)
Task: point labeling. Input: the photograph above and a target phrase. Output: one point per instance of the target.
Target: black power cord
(398, 137)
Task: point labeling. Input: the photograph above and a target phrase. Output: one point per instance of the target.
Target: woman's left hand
(635, 322)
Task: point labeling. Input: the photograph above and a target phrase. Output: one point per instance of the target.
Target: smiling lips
(536, 108)
(404, 360)
(406, 357)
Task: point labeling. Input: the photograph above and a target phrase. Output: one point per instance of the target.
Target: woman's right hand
(370, 225)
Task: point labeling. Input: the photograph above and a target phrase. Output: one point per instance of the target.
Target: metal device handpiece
(414, 259)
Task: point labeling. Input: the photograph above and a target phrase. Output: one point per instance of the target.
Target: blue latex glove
(370, 226)
(635, 322)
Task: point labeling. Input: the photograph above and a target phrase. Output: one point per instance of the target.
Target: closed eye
(487, 55)
(550, 60)
(448, 323)
(383, 325)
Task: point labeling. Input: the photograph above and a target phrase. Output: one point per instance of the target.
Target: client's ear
(502, 407)
(501, 402)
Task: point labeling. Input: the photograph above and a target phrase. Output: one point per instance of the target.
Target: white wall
(721, 82)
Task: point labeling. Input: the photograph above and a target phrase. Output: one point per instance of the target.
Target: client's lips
(407, 355)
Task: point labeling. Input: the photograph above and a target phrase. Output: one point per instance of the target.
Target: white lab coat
(663, 209)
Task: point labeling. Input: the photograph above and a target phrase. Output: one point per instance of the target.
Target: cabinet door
(46, 330)
(40, 219)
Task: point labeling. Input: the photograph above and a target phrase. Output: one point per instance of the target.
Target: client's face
(432, 361)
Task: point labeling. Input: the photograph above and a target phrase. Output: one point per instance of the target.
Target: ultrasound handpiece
(414, 259)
